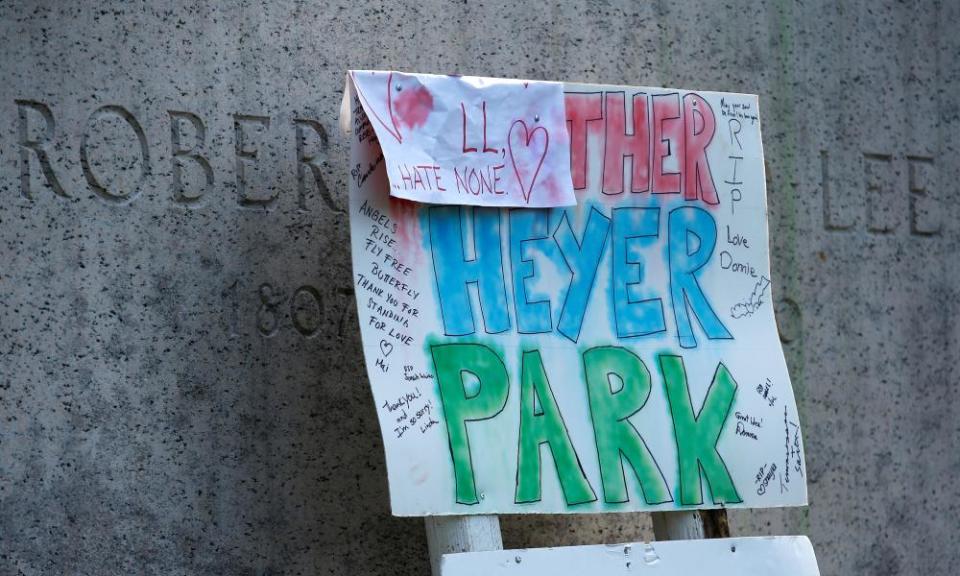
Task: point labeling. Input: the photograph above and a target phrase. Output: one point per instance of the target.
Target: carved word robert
(37, 135)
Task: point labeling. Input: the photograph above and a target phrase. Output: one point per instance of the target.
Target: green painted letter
(545, 426)
(451, 362)
(697, 436)
(616, 437)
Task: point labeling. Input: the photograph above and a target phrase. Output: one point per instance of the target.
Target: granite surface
(181, 387)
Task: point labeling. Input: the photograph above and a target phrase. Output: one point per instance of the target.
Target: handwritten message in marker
(469, 140)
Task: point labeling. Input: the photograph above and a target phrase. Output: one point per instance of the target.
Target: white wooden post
(690, 525)
(677, 525)
(446, 534)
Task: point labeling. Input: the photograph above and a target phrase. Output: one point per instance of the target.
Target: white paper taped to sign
(769, 556)
(617, 355)
(469, 140)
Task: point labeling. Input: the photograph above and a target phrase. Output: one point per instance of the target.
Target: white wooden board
(769, 556)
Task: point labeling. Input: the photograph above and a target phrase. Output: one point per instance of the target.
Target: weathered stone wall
(181, 388)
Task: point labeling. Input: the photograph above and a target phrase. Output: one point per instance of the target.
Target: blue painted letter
(633, 230)
(454, 270)
(583, 259)
(529, 235)
(693, 236)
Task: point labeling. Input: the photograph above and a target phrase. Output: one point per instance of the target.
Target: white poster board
(617, 355)
(769, 556)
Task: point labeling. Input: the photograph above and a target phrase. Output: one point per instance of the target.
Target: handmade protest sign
(469, 140)
(617, 355)
(777, 556)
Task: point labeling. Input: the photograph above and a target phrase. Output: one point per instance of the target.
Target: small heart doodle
(527, 154)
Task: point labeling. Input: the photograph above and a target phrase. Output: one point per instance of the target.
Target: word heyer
(691, 240)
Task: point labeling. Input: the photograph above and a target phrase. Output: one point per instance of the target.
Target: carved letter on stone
(180, 152)
(247, 157)
(96, 183)
(38, 145)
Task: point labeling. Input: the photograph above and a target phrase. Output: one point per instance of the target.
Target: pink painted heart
(528, 150)
(411, 107)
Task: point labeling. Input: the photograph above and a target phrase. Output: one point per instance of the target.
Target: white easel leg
(692, 525)
(447, 534)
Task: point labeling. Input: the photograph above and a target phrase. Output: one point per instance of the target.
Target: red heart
(528, 155)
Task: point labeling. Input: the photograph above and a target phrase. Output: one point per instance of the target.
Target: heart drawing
(386, 348)
(392, 128)
(527, 153)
